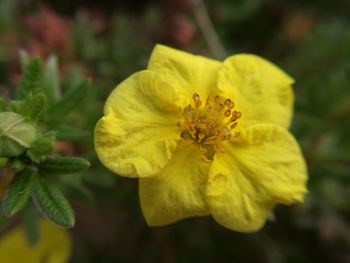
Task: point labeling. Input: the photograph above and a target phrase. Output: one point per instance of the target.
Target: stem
(208, 31)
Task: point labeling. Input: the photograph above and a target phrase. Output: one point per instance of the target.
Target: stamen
(209, 125)
(196, 97)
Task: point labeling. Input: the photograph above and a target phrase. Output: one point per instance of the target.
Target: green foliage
(69, 100)
(31, 224)
(67, 133)
(51, 81)
(17, 165)
(32, 106)
(52, 203)
(41, 147)
(18, 193)
(27, 140)
(63, 165)
(74, 187)
(32, 78)
(308, 39)
(16, 134)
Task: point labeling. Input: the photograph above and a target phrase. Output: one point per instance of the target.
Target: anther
(201, 135)
(233, 125)
(207, 125)
(196, 97)
(227, 113)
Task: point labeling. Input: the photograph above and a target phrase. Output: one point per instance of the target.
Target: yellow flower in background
(204, 138)
(53, 246)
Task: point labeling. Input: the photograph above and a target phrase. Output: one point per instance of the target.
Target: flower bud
(16, 134)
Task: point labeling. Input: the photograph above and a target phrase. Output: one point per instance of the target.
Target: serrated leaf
(52, 203)
(32, 106)
(18, 192)
(52, 88)
(41, 147)
(63, 165)
(70, 100)
(67, 133)
(31, 226)
(31, 78)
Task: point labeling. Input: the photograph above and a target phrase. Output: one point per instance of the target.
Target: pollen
(209, 124)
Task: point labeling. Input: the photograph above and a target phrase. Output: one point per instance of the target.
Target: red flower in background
(49, 32)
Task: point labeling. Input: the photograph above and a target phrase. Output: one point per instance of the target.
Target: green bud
(41, 147)
(16, 134)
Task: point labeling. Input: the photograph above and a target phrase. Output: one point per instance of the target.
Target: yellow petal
(263, 169)
(53, 246)
(262, 91)
(138, 133)
(178, 192)
(188, 73)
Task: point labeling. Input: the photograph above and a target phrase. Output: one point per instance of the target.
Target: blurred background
(107, 41)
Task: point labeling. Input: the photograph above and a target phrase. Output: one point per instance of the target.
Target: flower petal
(178, 191)
(54, 246)
(188, 73)
(262, 91)
(263, 169)
(138, 133)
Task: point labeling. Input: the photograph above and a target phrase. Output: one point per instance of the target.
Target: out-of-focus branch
(207, 28)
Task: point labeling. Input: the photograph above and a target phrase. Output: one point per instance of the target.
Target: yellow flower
(54, 246)
(205, 138)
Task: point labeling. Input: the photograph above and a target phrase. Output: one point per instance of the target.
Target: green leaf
(63, 165)
(70, 100)
(16, 134)
(52, 204)
(18, 192)
(67, 133)
(32, 106)
(51, 87)
(31, 78)
(41, 147)
(31, 226)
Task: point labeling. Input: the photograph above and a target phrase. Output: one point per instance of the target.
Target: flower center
(210, 124)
